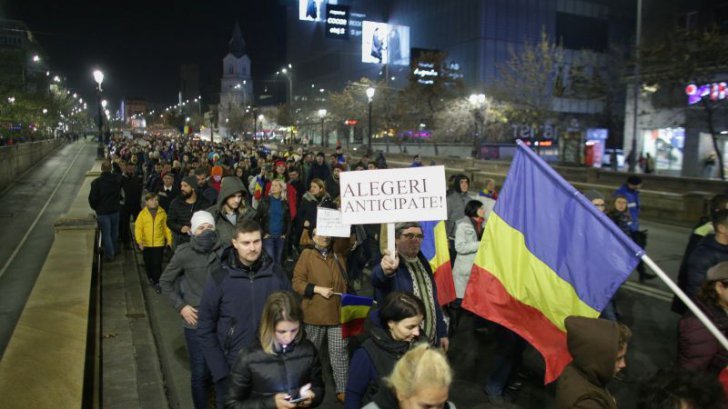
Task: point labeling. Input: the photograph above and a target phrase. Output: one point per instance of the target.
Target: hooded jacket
(456, 201)
(231, 305)
(225, 229)
(593, 343)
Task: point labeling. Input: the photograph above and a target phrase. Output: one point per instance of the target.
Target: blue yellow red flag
(435, 249)
(547, 253)
(354, 311)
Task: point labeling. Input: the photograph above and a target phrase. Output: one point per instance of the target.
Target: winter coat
(401, 280)
(231, 305)
(263, 215)
(706, 254)
(373, 361)
(258, 376)
(633, 205)
(622, 220)
(152, 231)
(208, 192)
(593, 343)
(132, 187)
(180, 214)
(186, 274)
(105, 194)
(698, 349)
(225, 229)
(466, 245)
(319, 172)
(309, 210)
(166, 197)
(313, 269)
(702, 230)
(456, 202)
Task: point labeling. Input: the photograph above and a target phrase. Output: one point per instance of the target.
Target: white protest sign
(393, 195)
(328, 223)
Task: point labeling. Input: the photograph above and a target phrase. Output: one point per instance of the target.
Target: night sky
(140, 44)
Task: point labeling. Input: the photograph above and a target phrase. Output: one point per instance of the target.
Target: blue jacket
(231, 306)
(633, 204)
(707, 253)
(401, 280)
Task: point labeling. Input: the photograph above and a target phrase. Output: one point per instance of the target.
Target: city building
(236, 85)
(22, 61)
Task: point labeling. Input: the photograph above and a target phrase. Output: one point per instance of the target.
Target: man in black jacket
(168, 191)
(104, 199)
(132, 186)
(711, 250)
(233, 299)
(182, 208)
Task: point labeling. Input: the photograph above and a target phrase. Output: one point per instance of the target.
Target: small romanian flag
(534, 268)
(435, 249)
(258, 188)
(354, 311)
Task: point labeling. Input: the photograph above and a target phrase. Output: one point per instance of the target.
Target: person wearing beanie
(596, 198)
(599, 348)
(216, 177)
(183, 282)
(152, 235)
(698, 349)
(231, 208)
(631, 191)
(181, 209)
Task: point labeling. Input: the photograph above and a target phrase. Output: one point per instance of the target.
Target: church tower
(236, 88)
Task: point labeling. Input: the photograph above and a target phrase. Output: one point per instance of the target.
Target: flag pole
(688, 302)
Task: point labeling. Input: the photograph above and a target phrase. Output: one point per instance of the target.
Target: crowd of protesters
(258, 289)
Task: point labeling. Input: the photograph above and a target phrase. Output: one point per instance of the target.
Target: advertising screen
(337, 21)
(385, 43)
(313, 10)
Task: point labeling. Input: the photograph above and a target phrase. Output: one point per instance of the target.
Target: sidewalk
(132, 376)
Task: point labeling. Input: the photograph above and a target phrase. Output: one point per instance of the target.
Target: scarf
(422, 289)
(205, 241)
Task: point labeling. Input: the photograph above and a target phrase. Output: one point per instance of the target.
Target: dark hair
(708, 294)
(718, 202)
(202, 171)
(105, 166)
(720, 217)
(472, 207)
(670, 388)
(397, 306)
(280, 306)
(401, 227)
(321, 154)
(456, 182)
(247, 226)
(625, 334)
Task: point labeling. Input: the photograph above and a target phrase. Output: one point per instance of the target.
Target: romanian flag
(258, 188)
(354, 311)
(546, 253)
(435, 249)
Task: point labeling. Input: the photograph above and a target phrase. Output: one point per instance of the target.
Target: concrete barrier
(45, 363)
(16, 159)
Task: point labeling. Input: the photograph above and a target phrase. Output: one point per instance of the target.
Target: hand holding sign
(390, 262)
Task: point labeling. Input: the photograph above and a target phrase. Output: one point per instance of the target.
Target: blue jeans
(109, 225)
(507, 359)
(274, 247)
(199, 374)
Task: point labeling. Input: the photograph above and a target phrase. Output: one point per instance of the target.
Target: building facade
(236, 85)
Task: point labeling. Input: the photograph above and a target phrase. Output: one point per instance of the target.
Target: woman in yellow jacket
(152, 234)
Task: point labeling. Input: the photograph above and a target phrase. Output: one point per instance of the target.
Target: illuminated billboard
(313, 10)
(337, 21)
(385, 43)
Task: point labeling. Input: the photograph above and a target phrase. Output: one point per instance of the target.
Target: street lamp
(322, 114)
(99, 78)
(477, 101)
(370, 96)
(289, 74)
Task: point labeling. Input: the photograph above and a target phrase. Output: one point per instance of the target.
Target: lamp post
(289, 74)
(99, 78)
(477, 101)
(322, 114)
(370, 96)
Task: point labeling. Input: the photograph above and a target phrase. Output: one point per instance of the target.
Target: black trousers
(126, 213)
(153, 262)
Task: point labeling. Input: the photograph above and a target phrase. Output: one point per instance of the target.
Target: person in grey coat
(230, 210)
(468, 232)
(183, 282)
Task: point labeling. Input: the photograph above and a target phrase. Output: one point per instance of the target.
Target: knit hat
(201, 217)
(593, 194)
(634, 180)
(718, 272)
(191, 180)
(216, 173)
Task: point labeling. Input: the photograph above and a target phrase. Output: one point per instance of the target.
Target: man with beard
(332, 184)
(182, 208)
(319, 169)
(204, 188)
(183, 281)
(233, 299)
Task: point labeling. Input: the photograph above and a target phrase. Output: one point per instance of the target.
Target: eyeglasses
(411, 236)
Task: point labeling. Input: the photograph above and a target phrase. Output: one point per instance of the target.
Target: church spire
(237, 44)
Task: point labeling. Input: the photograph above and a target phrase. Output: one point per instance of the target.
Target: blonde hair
(282, 184)
(421, 367)
(280, 306)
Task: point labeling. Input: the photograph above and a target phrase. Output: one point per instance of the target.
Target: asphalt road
(28, 210)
